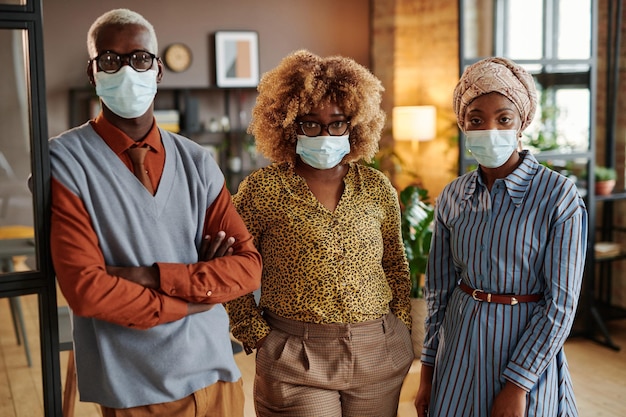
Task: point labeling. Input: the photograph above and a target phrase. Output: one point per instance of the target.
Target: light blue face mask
(127, 93)
(323, 152)
(491, 148)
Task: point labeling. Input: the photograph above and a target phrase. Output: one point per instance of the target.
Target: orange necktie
(137, 156)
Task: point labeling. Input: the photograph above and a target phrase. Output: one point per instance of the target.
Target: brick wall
(382, 54)
(415, 54)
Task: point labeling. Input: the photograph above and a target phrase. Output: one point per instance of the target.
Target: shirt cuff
(428, 356)
(169, 275)
(249, 335)
(521, 377)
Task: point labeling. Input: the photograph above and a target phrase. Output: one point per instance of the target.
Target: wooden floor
(599, 373)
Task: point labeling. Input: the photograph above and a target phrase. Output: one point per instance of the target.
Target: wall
(323, 26)
(415, 54)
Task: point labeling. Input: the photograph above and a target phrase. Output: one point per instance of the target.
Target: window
(553, 40)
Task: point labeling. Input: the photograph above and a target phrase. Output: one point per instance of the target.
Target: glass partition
(16, 201)
(30, 339)
(20, 334)
(21, 392)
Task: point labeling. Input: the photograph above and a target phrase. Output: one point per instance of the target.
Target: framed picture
(237, 58)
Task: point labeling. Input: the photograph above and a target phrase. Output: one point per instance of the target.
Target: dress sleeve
(82, 277)
(552, 322)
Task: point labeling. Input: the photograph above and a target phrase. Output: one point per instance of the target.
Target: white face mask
(491, 148)
(127, 93)
(323, 152)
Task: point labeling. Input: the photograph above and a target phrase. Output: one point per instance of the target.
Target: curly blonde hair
(303, 81)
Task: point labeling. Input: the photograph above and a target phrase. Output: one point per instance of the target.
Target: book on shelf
(168, 120)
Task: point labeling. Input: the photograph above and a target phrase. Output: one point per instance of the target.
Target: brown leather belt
(480, 295)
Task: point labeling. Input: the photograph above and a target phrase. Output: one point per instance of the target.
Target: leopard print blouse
(345, 266)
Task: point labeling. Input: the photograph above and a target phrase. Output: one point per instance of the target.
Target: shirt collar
(516, 183)
(119, 141)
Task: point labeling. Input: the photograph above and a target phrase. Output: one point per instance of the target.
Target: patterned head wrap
(498, 75)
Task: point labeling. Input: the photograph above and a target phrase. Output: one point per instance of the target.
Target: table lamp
(414, 123)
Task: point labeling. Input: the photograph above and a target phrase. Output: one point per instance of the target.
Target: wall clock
(177, 57)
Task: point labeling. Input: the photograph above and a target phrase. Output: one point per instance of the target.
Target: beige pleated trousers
(332, 370)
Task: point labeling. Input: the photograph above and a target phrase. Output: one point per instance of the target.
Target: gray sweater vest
(121, 367)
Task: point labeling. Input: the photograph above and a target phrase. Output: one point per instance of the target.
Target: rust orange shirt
(92, 292)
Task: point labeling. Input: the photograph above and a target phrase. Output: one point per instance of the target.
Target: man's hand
(422, 399)
(148, 276)
(217, 247)
(211, 249)
(193, 308)
(510, 402)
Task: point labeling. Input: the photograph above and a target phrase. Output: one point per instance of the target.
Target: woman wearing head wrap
(505, 266)
(332, 325)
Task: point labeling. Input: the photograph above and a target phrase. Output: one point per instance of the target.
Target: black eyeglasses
(336, 128)
(111, 62)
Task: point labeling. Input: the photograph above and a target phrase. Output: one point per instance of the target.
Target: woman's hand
(510, 402)
(260, 342)
(422, 399)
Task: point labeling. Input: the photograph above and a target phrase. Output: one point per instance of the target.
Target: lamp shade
(415, 123)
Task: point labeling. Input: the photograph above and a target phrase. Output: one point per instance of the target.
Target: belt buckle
(475, 295)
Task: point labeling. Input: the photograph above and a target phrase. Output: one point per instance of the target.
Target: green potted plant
(605, 180)
(416, 223)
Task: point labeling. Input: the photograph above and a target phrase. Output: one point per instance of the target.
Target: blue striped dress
(527, 236)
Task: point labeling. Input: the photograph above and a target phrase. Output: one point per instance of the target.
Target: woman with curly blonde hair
(332, 324)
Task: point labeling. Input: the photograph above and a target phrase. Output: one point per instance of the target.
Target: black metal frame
(602, 308)
(42, 282)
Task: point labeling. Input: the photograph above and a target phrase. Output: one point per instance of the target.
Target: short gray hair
(119, 17)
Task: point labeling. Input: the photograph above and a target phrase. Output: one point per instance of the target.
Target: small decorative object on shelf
(214, 125)
(607, 249)
(234, 164)
(225, 122)
(605, 180)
